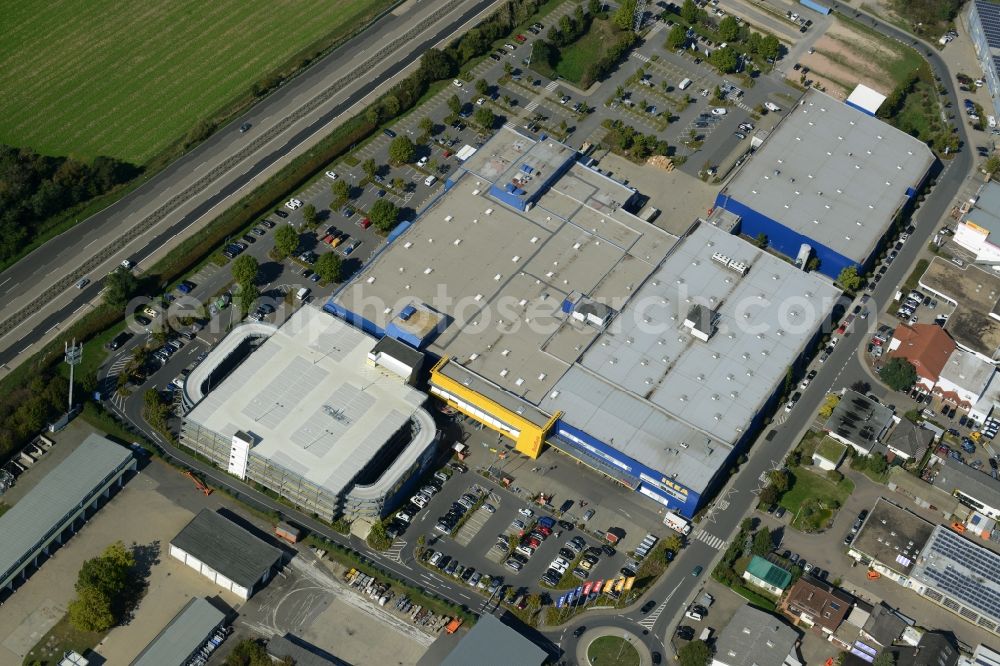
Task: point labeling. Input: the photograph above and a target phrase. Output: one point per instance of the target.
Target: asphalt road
(38, 291)
(678, 586)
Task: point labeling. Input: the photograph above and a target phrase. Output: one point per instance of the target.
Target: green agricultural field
(126, 79)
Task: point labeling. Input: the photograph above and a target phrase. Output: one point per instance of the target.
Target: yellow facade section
(527, 436)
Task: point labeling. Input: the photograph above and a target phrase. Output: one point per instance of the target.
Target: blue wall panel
(685, 501)
(354, 319)
(815, 6)
(862, 110)
(783, 239)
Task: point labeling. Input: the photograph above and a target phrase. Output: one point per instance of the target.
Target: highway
(39, 293)
(678, 587)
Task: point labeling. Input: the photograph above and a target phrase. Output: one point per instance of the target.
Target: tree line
(35, 188)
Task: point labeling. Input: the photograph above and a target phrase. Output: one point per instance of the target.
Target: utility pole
(72, 354)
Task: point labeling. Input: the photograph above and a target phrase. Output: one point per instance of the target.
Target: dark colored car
(244, 127)
(389, 133)
(267, 223)
(280, 213)
(608, 550)
(579, 631)
(142, 321)
(565, 524)
(648, 606)
(657, 658)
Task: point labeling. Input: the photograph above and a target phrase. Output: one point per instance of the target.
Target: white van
(683, 85)
(302, 294)
(771, 106)
(430, 180)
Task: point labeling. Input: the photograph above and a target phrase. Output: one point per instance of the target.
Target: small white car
(480, 101)
(82, 282)
(293, 204)
(422, 161)
(718, 111)
(456, 83)
(527, 513)
(332, 175)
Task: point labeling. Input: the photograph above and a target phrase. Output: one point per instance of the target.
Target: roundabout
(612, 646)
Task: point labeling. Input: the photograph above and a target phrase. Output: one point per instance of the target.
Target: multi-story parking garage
(52, 511)
(320, 413)
(560, 318)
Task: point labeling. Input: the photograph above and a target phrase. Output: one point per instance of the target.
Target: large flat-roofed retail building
(52, 511)
(571, 322)
(314, 414)
(831, 177)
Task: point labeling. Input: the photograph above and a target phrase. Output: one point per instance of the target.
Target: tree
(455, 104)
(370, 168)
(248, 652)
(286, 241)
(482, 87)
(594, 7)
(695, 653)
(383, 215)
(769, 495)
(402, 150)
(899, 374)
(829, 404)
(725, 60)
(770, 47)
(246, 295)
(309, 214)
(812, 264)
(690, 12)
(426, 125)
(877, 464)
(91, 611)
(485, 118)
(761, 240)
(119, 286)
(677, 37)
(849, 280)
(761, 542)
(341, 191)
(779, 479)
(885, 658)
(378, 538)
(625, 16)
(992, 165)
(729, 29)
(328, 267)
(108, 572)
(436, 65)
(508, 68)
(245, 269)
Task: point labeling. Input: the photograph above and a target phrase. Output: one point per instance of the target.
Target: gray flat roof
(833, 174)
(968, 371)
(501, 275)
(637, 428)
(954, 475)
(311, 402)
(754, 637)
(859, 419)
(492, 643)
(764, 319)
(60, 492)
(974, 324)
(986, 212)
(227, 548)
(185, 634)
(892, 535)
(962, 570)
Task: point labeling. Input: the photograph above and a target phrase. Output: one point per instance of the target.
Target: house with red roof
(927, 347)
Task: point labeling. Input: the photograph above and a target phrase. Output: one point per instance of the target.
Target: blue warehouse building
(983, 22)
(830, 179)
(558, 317)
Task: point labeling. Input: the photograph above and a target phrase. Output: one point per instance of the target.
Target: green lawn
(612, 651)
(62, 638)
(816, 496)
(127, 79)
(573, 59)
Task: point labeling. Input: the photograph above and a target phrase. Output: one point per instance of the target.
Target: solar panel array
(962, 570)
(989, 17)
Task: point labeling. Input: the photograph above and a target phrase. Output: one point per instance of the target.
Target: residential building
(934, 649)
(753, 638)
(884, 626)
(830, 178)
(817, 604)
(964, 379)
(908, 441)
(977, 490)
(927, 347)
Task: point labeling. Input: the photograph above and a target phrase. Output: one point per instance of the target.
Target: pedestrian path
(710, 539)
(394, 551)
(640, 56)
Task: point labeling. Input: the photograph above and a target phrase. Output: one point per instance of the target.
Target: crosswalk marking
(532, 105)
(639, 56)
(552, 85)
(712, 540)
(393, 553)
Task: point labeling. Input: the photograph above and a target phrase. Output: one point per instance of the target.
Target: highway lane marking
(4, 282)
(91, 243)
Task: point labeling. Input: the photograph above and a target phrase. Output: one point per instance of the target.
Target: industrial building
(976, 490)
(979, 229)
(191, 630)
(52, 511)
(960, 576)
(827, 183)
(226, 554)
(320, 412)
(983, 22)
(490, 642)
(974, 324)
(890, 540)
(559, 318)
